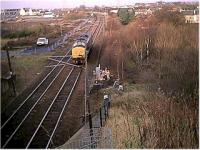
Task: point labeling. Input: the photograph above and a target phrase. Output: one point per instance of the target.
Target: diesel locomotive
(81, 48)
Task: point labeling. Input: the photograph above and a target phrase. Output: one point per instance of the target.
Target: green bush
(18, 34)
(125, 15)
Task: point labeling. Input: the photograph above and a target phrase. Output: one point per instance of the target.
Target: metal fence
(43, 49)
(101, 138)
(96, 137)
(37, 50)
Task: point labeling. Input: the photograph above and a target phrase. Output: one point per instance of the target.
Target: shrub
(142, 119)
(125, 15)
(176, 18)
(18, 34)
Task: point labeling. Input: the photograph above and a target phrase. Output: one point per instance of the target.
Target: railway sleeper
(61, 98)
(49, 123)
(55, 109)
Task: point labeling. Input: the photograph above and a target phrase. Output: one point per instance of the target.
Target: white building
(143, 11)
(191, 16)
(7, 14)
(49, 15)
(114, 11)
(29, 12)
(25, 11)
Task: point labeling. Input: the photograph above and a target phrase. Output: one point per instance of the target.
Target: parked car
(42, 41)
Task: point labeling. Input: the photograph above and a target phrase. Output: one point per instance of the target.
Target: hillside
(140, 118)
(162, 52)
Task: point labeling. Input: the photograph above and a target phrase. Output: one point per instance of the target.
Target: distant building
(114, 11)
(143, 11)
(139, 4)
(29, 12)
(130, 9)
(49, 14)
(9, 14)
(24, 11)
(191, 16)
(9, 11)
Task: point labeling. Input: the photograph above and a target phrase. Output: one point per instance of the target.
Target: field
(26, 68)
(21, 34)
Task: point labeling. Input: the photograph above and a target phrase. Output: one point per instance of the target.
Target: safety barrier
(101, 138)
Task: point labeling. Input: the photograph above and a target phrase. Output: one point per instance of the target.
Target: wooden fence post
(105, 112)
(100, 117)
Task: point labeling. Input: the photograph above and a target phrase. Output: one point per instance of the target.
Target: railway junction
(52, 110)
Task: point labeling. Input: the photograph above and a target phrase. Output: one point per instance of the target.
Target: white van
(42, 41)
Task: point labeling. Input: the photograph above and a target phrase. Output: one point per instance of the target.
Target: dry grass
(172, 59)
(75, 16)
(140, 119)
(26, 68)
(144, 119)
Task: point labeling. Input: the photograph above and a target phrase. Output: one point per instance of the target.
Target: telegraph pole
(61, 30)
(11, 73)
(118, 53)
(87, 103)
(122, 61)
(85, 109)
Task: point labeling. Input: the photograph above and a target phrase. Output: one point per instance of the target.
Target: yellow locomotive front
(78, 54)
(81, 48)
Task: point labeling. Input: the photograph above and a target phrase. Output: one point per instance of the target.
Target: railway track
(39, 115)
(46, 109)
(6, 111)
(35, 105)
(55, 110)
(8, 115)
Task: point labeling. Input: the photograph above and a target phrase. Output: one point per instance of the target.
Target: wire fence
(101, 138)
(49, 48)
(98, 136)
(38, 49)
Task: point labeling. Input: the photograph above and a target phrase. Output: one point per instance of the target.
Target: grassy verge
(27, 68)
(141, 119)
(28, 36)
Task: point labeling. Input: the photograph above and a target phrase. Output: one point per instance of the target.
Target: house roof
(26, 9)
(190, 12)
(196, 12)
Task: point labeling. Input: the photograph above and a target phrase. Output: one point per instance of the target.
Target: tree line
(166, 45)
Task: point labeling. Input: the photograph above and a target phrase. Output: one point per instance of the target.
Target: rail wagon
(81, 48)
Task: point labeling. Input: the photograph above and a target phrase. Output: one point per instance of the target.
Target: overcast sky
(71, 3)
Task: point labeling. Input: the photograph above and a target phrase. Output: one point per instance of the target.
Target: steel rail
(36, 101)
(62, 111)
(85, 99)
(49, 109)
(99, 29)
(16, 129)
(32, 92)
(35, 88)
(53, 65)
(38, 84)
